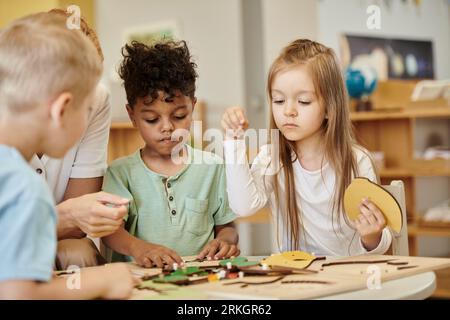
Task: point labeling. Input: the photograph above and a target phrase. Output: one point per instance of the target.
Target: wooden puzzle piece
(144, 272)
(192, 261)
(175, 279)
(166, 291)
(183, 276)
(255, 283)
(238, 262)
(361, 188)
(340, 263)
(187, 271)
(290, 259)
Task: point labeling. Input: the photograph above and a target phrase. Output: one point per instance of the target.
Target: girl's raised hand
(234, 122)
(370, 224)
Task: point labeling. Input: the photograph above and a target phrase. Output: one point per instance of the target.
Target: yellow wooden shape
(290, 259)
(361, 188)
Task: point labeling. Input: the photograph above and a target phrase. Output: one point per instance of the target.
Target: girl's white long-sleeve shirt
(249, 190)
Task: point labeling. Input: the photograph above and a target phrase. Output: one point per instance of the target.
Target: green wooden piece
(238, 262)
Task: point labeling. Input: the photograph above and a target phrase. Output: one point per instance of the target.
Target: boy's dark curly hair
(164, 66)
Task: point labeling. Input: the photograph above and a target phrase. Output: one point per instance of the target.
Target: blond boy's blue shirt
(178, 212)
(27, 221)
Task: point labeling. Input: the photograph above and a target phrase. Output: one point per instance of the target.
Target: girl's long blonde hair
(337, 129)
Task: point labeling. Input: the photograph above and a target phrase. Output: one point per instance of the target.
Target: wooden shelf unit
(124, 139)
(417, 230)
(443, 284)
(411, 113)
(392, 132)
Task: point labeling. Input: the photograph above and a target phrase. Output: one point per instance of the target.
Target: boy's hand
(370, 224)
(149, 255)
(219, 249)
(118, 280)
(234, 123)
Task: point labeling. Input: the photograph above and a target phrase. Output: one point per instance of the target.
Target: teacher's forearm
(67, 224)
(67, 227)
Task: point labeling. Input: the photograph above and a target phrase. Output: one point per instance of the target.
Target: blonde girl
(315, 160)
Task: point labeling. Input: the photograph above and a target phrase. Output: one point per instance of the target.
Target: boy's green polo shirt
(178, 212)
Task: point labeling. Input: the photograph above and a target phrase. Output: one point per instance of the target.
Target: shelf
(419, 168)
(443, 284)
(395, 173)
(408, 113)
(263, 216)
(428, 228)
(399, 172)
(441, 293)
(122, 125)
(416, 230)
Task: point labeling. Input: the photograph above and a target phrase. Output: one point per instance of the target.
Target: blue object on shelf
(355, 82)
(360, 82)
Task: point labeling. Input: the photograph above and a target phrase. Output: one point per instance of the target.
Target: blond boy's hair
(41, 58)
(85, 28)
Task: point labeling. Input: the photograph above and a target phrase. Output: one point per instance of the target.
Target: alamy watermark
(374, 280)
(374, 20)
(73, 281)
(213, 139)
(74, 20)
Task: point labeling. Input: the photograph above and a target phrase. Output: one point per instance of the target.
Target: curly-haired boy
(178, 208)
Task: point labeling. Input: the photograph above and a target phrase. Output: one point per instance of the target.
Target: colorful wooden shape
(182, 276)
(290, 259)
(361, 188)
(175, 279)
(187, 271)
(238, 262)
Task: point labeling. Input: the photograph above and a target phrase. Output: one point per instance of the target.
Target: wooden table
(414, 279)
